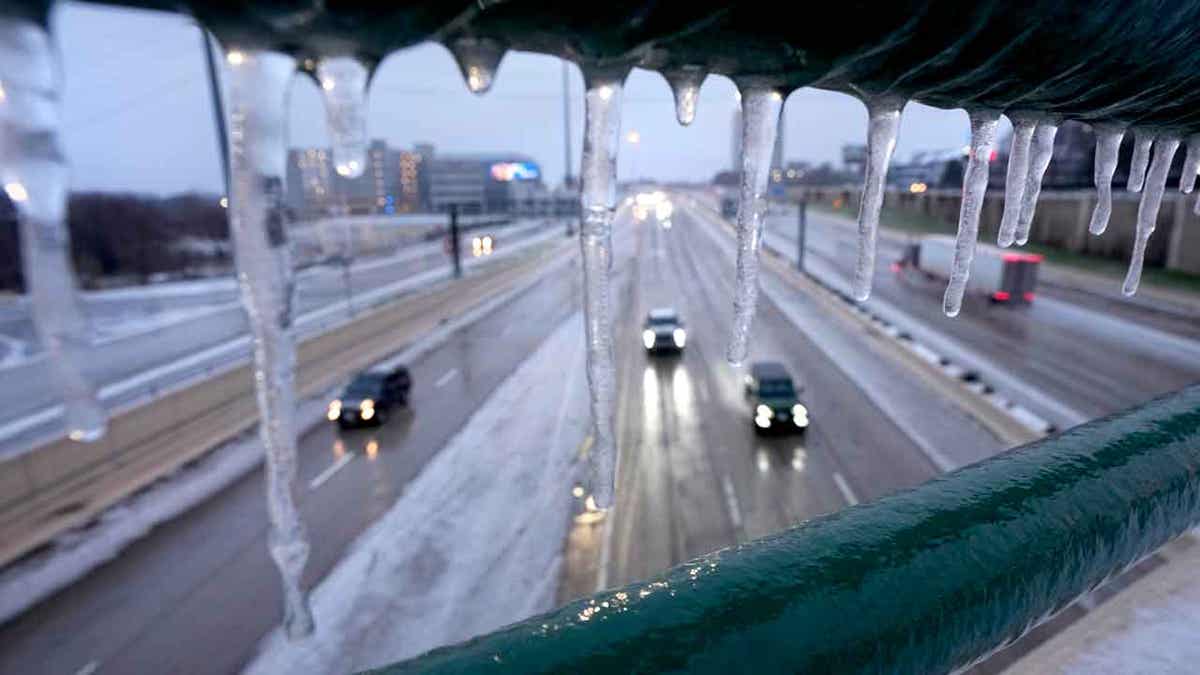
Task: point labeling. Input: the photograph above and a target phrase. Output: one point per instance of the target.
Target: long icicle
(1147, 217)
(975, 180)
(1191, 165)
(1039, 160)
(883, 123)
(1108, 147)
(259, 84)
(34, 175)
(761, 106)
(1018, 173)
(344, 87)
(685, 85)
(1139, 160)
(598, 197)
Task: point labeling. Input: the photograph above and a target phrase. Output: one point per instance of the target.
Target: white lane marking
(89, 668)
(325, 475)
(735, 512)
(449, 375)
(844, 488)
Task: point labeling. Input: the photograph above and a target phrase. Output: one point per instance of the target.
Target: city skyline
(153, 131)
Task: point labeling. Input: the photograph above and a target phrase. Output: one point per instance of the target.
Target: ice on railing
(1140, 160)
(1191, 164)
(975, 180)
(1108, 146)
(685, 86)
(1015, 179)
(478, 59)
(258, 87)
(598, 176)
(343, 81)
(33, 172)
(761, 106)
(1147, 216)
(1039, 160)
(883, 123)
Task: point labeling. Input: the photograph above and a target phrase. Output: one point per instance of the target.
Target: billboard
(510, 171)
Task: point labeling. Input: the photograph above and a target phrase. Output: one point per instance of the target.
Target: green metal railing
(928, 580)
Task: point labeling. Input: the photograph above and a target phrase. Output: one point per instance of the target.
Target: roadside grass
(919, 223)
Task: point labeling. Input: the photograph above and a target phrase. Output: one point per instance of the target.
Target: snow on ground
(476, 540)
(12, 351)
(1148, 627)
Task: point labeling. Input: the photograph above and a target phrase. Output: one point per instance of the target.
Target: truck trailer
(1003, 276)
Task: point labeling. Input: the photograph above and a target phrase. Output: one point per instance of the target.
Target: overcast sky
(138, 115)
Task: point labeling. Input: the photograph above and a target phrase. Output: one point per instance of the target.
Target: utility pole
(454, 241)
(566, 107)
(801, 230)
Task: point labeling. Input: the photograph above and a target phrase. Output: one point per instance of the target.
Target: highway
(197, 593)
(694, 477)
(1071, 356)
(212, 330)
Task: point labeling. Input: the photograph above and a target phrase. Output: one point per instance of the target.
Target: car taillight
(1028, 296)
(1001, 296)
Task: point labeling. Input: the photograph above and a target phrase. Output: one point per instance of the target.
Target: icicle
(1141, 158)
(1108, 146)
(1039, 161)
(761, 106)
(1191, 165)
(975, 180)
(599, 197)
(478, 59)
(1018, 174)
(685, 85)
(883, 123)
(34, 174)
(344, 86)
(259, 84)
(1147, 218)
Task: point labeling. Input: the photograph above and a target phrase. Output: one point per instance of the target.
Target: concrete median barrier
(63, 484)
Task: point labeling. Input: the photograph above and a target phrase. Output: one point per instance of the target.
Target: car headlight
(680, 336)
(764, 411)
(368, 413)
(648, 338)
(335, 410)
(800, 415)
(762, 422)
(367, 404)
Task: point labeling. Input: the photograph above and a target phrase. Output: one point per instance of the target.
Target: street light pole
(801, 230)
(454, 241)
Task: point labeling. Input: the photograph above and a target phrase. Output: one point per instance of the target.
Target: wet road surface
(1087, 358)
(197, 593)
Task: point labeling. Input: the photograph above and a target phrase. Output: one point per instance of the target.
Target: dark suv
(663, 331)
(370, 397)
(774, 405)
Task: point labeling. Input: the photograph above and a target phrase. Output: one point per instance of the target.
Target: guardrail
(928, 580)
(62, 484)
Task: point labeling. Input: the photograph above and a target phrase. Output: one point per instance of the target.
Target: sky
(138, 114)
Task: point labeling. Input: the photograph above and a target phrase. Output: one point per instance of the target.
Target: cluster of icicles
(258, 84)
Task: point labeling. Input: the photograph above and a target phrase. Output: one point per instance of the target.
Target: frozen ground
(1149, 627)
(476, 540)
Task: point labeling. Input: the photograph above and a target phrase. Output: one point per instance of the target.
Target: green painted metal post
(924, 581)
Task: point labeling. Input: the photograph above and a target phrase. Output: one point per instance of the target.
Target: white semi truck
(1002, 275)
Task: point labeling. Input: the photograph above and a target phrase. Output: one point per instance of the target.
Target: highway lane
(693, 475)
(197, 593)
(148, 361)
(1088, 361)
